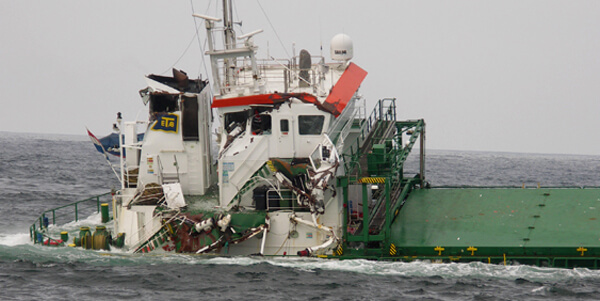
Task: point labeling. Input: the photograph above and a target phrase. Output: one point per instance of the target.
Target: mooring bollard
(64, 235)
(104, 212)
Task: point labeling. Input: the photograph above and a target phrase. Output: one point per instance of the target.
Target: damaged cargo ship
(300, 169)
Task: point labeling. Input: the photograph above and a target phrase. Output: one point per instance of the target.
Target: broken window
(233, 120)
(261, 124)
(259, 118)
(161, 103)
(310, 124)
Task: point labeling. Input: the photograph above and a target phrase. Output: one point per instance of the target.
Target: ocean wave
(18, 247)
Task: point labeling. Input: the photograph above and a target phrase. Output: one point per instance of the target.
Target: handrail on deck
(40, 220)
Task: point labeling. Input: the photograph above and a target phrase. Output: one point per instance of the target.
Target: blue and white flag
(101, 149)
(97, 143)
(110, 144)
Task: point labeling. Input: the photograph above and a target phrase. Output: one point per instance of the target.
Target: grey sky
(520, 76)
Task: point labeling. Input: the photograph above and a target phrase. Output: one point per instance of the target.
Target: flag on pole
(101, 149)
(97, 143)
(110, 144)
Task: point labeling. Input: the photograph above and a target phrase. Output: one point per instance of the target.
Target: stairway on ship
(379, 155)
(383, 130)
(400, 186)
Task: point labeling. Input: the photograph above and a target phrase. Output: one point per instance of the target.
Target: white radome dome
(341, 48)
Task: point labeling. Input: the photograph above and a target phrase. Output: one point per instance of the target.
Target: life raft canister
(53, 242)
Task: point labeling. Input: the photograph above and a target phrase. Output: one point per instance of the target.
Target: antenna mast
(228, 23)
(230, 53)
(229, 63)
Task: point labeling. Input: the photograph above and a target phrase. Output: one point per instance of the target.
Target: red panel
(335, 102)
(261, 99)
(243, 101)
(344, 89)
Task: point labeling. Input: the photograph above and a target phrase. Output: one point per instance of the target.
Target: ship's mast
(228, 23)
(230, 53)
(229, 38)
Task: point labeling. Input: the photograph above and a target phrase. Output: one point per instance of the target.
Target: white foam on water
(94, 219)
(15, 239)
(24, 239)
(73, 227)
(540, 289)
(475, 270)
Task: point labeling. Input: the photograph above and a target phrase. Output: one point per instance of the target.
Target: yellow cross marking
(582, 250)
(472, 249)
(439, 249)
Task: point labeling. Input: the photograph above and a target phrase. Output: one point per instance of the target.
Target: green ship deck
(401, 218)
(514, 222)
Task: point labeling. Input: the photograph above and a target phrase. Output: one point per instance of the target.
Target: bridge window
(310, 124)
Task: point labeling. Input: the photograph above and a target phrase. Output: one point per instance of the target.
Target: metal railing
(385, 110)
(344, 123)
(282, 199)
(68, 213)
(169, 176)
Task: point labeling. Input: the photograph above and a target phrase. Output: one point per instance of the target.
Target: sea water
(38, 172)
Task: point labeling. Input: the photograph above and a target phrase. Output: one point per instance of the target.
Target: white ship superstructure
(281, 126)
